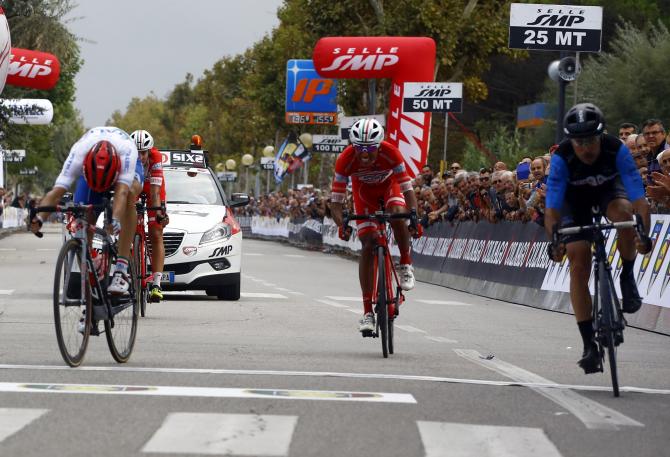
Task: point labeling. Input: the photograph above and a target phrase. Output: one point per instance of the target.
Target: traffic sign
(227, 176)
(267, 163)
(329, 144)
(433, 98)
(28, 171)
(555, 27)
(15, 155)
(310, 99)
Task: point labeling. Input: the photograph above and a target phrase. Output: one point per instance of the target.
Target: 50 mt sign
(433, 98)
(555, 27)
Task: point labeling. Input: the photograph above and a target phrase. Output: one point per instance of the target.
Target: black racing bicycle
(80, 298)
(608, 319)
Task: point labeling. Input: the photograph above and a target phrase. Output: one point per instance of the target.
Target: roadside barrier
(506, 261)
(13, 217)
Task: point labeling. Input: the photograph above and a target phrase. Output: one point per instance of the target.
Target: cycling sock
(586, 330)
(367, 304)
(157, 278)
(405, 258)
(121, 265)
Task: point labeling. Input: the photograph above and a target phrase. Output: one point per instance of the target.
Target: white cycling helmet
(143, 140)
(366, 132)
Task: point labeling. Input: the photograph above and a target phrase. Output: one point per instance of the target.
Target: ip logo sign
(310, 99)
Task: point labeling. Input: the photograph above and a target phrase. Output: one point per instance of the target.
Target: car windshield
(191, 188)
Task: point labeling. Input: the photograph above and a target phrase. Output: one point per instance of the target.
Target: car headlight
(220, 231)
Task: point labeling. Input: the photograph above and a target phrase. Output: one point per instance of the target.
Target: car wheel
(231, 292)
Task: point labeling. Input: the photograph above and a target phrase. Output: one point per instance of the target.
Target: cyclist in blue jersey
(591, 168)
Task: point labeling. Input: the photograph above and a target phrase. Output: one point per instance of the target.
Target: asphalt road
(284, 372)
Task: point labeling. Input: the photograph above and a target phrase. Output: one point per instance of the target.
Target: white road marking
(253, 254)
(296, 256)
(334, 374)
(330, 297)
(296, 293)
(591, 413)
(206, 392)
(269, 284)
(261, 295)
(355, 311)
(409, 328)
(7, 249)
(443, 302)
(256, 279)
(441, 439)
(441, 339)
(45, 249)
(6, 291)
(14, 419)
(332, 303)
(225, 434)
(283, 289)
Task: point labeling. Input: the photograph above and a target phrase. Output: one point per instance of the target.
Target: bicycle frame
(139, 230)
(381, 248)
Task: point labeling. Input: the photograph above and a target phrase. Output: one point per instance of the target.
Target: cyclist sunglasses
(366, 148)
(589, 140)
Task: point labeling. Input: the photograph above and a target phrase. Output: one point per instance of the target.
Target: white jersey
(73, 166)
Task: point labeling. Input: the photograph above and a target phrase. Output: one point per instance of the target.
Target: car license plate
(168, 277)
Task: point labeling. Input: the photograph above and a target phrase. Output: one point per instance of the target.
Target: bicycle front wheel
(72, 303)
(139, 256)
(607, 326)
(121, 328)
(381, 306)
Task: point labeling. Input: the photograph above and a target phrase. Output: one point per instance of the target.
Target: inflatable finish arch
(402, 59)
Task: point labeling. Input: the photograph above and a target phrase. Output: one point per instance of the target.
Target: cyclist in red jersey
(154, 188)
(377, 171)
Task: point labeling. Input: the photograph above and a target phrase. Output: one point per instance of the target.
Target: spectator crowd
(495, 194)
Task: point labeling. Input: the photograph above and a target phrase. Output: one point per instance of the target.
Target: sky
(133, 48)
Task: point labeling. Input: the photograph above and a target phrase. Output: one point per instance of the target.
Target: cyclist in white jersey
(102, 159)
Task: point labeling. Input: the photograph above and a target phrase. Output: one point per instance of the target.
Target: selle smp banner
(33, 69)
(402, 59)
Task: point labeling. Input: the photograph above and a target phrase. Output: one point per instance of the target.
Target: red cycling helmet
(101, 166)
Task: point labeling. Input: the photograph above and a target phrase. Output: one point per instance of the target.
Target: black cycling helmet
(583, 120)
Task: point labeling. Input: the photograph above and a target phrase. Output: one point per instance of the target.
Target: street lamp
(247, 161)
(268, 151)
(307, 142)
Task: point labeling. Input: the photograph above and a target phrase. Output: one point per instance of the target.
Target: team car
(203, 241)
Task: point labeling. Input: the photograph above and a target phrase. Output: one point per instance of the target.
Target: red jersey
(388, 168)
(153, 172)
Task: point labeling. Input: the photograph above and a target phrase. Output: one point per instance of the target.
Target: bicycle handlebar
(77, 209)
(588, 228)
(376, 216)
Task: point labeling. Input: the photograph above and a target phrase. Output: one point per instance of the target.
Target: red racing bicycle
(387, 295)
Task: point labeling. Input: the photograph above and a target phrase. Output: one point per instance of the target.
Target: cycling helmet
(101, 166)
(366, 132)
(142, 139)
(583, 120)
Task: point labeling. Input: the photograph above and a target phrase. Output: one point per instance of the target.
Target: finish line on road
(206, 392)
(327, 374)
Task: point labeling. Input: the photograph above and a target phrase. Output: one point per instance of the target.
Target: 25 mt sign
(555, 27)
(433, 98)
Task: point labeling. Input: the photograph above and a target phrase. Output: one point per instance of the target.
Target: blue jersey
(571, 178)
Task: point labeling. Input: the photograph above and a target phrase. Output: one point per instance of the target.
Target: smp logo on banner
(310, 98)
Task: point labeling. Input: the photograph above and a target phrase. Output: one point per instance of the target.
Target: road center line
(328, 374)
(409, 328)
(591, 413)
(209, 392)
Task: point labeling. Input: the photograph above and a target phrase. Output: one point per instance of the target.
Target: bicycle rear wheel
(121, 328)
(607, 326)
(69, 307)
(382, 306)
